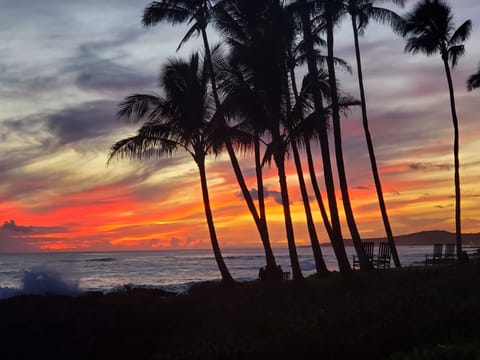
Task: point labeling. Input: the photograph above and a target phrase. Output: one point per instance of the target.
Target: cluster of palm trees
(245, 96)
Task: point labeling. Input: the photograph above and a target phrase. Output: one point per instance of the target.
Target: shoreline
(339, 316)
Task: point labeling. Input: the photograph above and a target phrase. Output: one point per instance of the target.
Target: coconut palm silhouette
(361, 11)
(430, 29)
(199, 13)
(180, 120)
(305, 9)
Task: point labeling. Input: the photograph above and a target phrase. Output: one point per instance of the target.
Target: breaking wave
(42, 281)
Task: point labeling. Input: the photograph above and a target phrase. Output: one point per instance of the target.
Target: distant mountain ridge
(428, 238)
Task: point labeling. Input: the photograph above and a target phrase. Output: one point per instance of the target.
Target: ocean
(173, 270)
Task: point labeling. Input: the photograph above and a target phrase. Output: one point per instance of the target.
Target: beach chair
(382, 260)
(437, 255)
(368, 247)
(449, 254)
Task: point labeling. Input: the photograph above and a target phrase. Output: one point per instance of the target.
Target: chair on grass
(449, 254)
(382, 260)
(368, 247)
(437, 255)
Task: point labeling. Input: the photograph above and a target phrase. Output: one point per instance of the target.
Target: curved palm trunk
(458, 228)
(260, 223)
(320, 265)
(371, 152)
(311, 168)
(362, 256)
(258, 171)
(271, 267)
(279, 156)
(292, 249)
(336, 239)
(316, 189)
(226, 277)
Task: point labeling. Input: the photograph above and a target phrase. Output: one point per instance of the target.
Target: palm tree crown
(365, 10)
(195, 12)
(432, 30)
(179, 120)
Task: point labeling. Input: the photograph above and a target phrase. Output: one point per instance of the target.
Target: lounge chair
(382, 260)
(437, 257)
(449, 255)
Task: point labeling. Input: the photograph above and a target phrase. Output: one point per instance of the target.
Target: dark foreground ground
(394, 314)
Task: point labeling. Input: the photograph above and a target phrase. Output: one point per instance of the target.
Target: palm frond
(461, 34)
(322, 82)
(227, 20)
(338, 62)
(454, 53)
(268, 155)
(241, 138)
(473, 81)
(141, 107)
(166, 10)
(142, 147)
(421, 44)
(389, 18)
(346, 103)
(194, 30)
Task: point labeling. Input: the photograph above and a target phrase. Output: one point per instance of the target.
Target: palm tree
(257, 40)
(473, 81)
(199, 13)
(294, 117)
(177, 121)
(305, 10)
(361, 11)
(431, 30)
(321, 267)
(332, 12)
(308, 129)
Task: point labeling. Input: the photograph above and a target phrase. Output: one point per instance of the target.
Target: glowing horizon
(61, 83)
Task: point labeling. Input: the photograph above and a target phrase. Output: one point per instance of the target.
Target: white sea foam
(42, 281)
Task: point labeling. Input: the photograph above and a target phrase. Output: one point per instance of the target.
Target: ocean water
(174, 270)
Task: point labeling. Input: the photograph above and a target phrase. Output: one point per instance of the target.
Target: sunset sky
(64, 67)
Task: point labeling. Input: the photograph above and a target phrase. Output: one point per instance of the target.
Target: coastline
(363, 315)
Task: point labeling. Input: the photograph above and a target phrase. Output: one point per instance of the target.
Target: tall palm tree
(256, 37)
(305, 9)
(301, 133)
(177, 121)
(199, 12)
(473, 81)
(361, 11)
(430, 29)
(294, 117)
(311, 125)
(308, 131)
(321, 267)
(332, 12)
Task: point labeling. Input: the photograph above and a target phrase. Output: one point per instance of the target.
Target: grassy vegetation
(394, 314)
